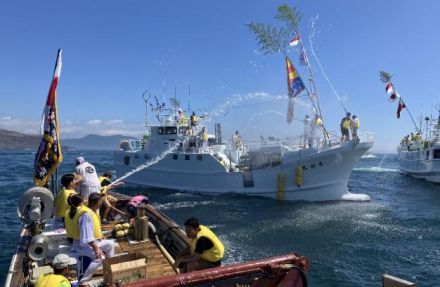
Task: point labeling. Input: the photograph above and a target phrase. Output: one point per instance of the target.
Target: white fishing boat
(419, 151)
(175, 155)
(172, 156)
(420, 156)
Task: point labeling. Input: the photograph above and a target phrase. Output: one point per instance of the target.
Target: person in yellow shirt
(345, 127)
(205, 251)
(83, 224)
(109, 201)
(60, 265)
(69, 182)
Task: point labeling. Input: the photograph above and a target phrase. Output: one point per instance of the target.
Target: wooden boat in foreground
(166, 240)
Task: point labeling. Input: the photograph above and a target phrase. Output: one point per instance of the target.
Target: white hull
(325, 173)
(420, 164)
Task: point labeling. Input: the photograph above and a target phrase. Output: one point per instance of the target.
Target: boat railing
(132, 145)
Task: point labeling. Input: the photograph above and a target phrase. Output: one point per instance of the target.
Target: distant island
(15, 140)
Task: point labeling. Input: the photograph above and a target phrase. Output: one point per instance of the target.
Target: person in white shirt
(316, 130)
(90, 182)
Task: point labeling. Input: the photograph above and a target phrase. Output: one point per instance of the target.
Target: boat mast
(314, 90)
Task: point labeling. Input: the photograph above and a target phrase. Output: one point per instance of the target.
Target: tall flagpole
(312, 80)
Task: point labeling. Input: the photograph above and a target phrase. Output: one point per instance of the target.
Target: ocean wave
(375, 169)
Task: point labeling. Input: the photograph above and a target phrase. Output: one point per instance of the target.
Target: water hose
(162, 248)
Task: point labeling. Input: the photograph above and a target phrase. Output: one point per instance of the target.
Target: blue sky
(115, 50)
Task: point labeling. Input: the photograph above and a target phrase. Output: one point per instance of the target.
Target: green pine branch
(269, 38)
(290, 16)
(273, 39)
(385, 77)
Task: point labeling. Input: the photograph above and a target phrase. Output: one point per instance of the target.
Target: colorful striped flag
(49, 155)
(294, 83)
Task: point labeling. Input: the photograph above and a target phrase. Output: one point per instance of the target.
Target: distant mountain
(95, 142)
(15, 140)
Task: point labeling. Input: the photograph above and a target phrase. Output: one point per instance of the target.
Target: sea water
(347, 243)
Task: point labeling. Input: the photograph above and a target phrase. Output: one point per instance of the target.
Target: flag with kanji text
(49, 154)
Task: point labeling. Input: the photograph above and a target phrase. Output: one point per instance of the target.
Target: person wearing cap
(90, 181)
(206, 250)
(60, 265)
(83, 224)
(69, 182)
(345, 127)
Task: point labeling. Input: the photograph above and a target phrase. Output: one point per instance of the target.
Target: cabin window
(437, 153)
(199, 157)
(126, 160)
(187, 157)
(175, 156)
(160, 131)
(170, 130)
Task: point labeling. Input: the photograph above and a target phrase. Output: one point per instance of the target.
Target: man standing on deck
(355, 124)
(60, 265)
(316, 130)
(345, 127)
(90, 182)
(205, 251)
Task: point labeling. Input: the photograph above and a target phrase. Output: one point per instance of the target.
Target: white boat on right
(419, 152)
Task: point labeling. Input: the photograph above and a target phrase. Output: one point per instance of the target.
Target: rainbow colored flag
(294, 83)
(49, 154)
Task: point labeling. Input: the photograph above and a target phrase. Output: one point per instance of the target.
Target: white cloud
(77, 129)
(20, 125)
(94, 122)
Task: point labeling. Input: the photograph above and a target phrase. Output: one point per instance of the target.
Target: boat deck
(157, 263)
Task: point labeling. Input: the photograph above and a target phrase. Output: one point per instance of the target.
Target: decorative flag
(294, 41)
(303, 58)
(400, 107)
(389, 88)
(294, 83)
(49, 155)
(393, 97)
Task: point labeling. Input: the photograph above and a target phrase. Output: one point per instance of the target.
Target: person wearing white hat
(60, 265)
(90, 182)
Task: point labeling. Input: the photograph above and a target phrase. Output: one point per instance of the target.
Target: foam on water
(355, 197)
(376, 169)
